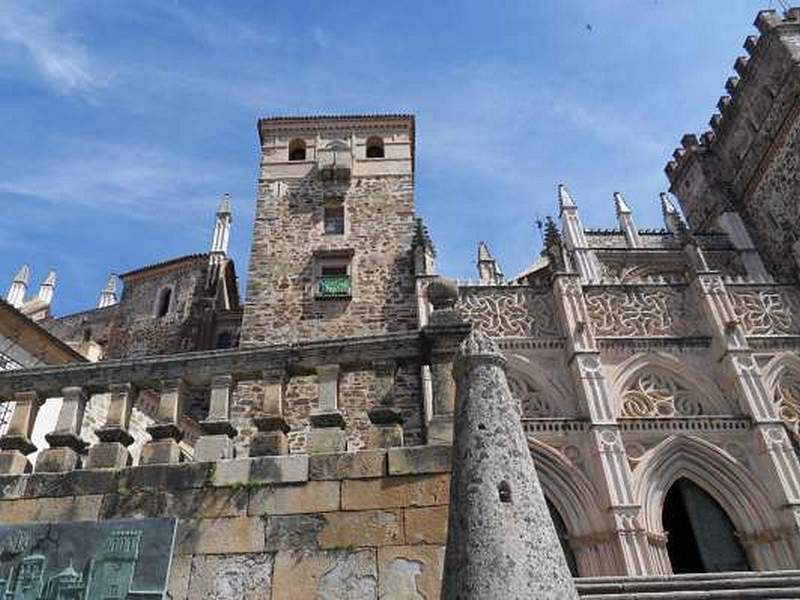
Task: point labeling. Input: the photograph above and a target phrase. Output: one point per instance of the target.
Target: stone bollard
(501, 542)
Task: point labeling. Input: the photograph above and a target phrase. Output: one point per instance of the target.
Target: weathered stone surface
(220, 536)
(347, 465)
(396, 492)
(74, 483)
(410, 572)
(426, 525)
(238, 577)
(140, 505)
(335, 530)
(309, 497)
(178, 584)
(420, 459)
(14, 462)
(39, 510)
(385, 436)
(13, 486)
(269, 443)
(328, 575)
(57, 460)
(208, 503)
(440, 430)
(327, 439)
(501, 541)
(160, 452)
(108, 455)
(166, 477)
(211, 448)
(235, 471)
(278, 469)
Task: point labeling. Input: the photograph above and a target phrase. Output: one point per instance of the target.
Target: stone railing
(170, 376)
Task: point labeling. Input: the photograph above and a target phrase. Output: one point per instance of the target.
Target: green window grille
(333, 286)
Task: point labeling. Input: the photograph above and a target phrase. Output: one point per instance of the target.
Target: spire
(424, 251)
(108, 297)
(48, 287)
(19, 287)
(222, 231)
(564, 198)
(488, 270)
(672, 218)
(625, 220)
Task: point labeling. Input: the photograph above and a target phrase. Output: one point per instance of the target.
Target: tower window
(333, 219)
(375, 147)
(297, 150)
(334, 281)
(164, 302)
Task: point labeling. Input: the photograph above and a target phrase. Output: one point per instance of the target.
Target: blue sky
(123, 122)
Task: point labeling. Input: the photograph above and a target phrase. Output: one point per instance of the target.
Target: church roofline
(18, 323)
(164, 264)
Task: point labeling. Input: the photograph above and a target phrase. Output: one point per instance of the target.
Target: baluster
(165, 448)
(271, 437)
(386, 418)
(327, 421)
(66, 445)
(16, 444)
(217, 441)
(112, 450)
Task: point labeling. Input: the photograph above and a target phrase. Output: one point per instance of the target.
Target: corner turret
(19, 287)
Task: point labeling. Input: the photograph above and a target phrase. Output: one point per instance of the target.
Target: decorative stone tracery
(509, 312)
(654, 394)
(787, 400)
(533, 404)
(766, 311)
(636, 312)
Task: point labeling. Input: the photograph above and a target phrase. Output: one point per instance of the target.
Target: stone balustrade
(170, 376)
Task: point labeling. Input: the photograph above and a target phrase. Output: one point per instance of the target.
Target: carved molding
(766, 311)
(533, 403)
(637, 312)
(509, 313)
(787, 400)
(655, 395)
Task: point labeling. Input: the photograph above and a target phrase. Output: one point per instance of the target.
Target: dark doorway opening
(563, 537)
(700, 536)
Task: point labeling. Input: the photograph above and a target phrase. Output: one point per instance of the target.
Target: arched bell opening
(563, 538)
(701, 537)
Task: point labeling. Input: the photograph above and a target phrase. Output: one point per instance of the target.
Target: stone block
(42, 510)
(279, 469)
(139, 505)
(327, 439)
(239, 577)
(13, 486)
(385, 436)
(410, 572)
(347, 465)
(108, 455)
(166, 477)
(333, 575)
(419, 460)
(57, 460)
(309, 497)
(396, 492)
(440, 431)
(208, 503)
(160, 452)
(178, 584)
(335, 530)
(219, 536)
(211, 448)
(73, 483)
(14, 462)
(235, 471)
(426, 525)
(269, 443)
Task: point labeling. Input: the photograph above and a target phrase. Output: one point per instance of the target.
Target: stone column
(501, 542)
(165, 448)
(216, 442)
(386, 419)
(271, 437)
(445, 331)
(16, 444)
(112, 450)
(66, 445)
(327, 421)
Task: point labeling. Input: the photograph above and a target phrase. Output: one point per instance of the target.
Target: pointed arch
(723, 478)
(782, 379)
(703, 390)
(547, 397)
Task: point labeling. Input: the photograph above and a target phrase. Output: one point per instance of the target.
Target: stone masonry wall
(363, 525)
(281, 300)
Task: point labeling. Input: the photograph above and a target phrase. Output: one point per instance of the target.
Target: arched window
(375, 147)
(700, 536)
(297, 150)
(563, 538)
(164, 302)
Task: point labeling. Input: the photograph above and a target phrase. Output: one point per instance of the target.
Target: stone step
(700, 586)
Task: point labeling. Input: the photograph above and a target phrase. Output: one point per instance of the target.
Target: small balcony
(334, 286)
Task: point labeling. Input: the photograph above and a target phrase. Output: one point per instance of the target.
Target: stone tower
(742, 177)
(332, 245)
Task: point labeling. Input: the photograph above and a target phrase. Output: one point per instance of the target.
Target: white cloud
(58, 56)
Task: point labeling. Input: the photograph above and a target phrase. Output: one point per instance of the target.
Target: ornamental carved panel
(654, 395)
(787, 400)
(509, 312)
(638, 312)
(533, 404)
(766, 311)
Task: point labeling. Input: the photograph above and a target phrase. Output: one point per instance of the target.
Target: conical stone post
(501, 542)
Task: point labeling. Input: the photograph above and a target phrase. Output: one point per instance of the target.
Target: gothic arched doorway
(700, 536)
(563, 537)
